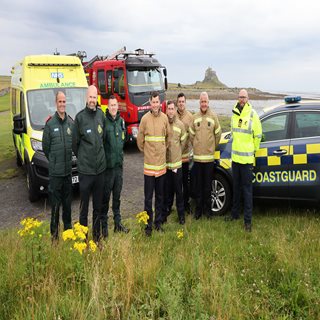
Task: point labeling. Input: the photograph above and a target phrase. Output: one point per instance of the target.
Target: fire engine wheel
(220, 195)
(32, 191)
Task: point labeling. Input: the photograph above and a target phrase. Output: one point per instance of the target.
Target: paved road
(14, 204)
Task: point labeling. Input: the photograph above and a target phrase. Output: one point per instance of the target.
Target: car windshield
(41, 104)
(140, 81)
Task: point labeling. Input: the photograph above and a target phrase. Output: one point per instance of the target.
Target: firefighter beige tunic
(186, 118)
(152, 141)
(205, 134)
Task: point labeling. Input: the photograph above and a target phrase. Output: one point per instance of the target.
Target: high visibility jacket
(152, 141)
(205, 134)
(246, 133)
(186, 118)
(177, 138)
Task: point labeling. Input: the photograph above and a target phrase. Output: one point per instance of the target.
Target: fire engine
(130, 76)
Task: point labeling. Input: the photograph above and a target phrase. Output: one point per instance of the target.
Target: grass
(216, 271)
(5, 82)
(5, 103)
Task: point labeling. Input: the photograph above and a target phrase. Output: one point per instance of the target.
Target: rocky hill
(211, 80)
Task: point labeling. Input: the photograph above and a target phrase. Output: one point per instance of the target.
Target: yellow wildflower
(29, 224)
(93, 246)
(80, 246)
(143, 217)
(180, 234)
(80, 231)
(68, 235)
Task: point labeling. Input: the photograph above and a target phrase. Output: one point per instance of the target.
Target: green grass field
(215, 271)
(5, 103)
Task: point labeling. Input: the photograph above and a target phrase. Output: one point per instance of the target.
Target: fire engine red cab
(130, 77)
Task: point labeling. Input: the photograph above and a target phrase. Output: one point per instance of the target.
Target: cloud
(246, 42)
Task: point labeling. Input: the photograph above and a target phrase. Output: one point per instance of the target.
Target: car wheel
(32, 191)
(220, 195)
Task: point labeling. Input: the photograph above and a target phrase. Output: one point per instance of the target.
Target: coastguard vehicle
(34, 83)
(288, 161)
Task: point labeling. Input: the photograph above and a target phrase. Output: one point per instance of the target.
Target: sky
(272, 45)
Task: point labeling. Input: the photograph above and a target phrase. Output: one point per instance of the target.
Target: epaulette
(49, 117)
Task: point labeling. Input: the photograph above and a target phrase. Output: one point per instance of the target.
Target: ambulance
(287, 165)
(35, 81)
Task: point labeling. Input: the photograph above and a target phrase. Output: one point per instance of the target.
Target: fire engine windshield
(141, 81)
(42, 103)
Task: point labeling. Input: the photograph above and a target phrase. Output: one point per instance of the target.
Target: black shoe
(148, 232)
(120, 228)
(188, 209)
(230, 218)
(247, 227)
(182, 221)
(159, 228)
(197, 216)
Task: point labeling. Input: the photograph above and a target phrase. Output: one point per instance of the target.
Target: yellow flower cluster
(79, 233)
(142, 217)
(29, 226)
(180, 234)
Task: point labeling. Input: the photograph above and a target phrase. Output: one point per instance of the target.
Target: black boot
(119, 227)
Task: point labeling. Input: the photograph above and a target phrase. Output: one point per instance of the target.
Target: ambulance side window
(275, 127)
(307, 124)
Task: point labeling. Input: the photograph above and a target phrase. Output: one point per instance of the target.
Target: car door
(273, 157)
(304, 171)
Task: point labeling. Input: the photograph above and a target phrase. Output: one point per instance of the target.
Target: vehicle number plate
(75, 179)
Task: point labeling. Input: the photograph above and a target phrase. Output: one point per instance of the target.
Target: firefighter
(88, 145)
(151, 140)
(177, 138)
(185, 117)
(205, 133)
(57, 146)
(246, 133)
(115, 137)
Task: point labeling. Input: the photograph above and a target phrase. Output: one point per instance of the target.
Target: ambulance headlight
(36, 145)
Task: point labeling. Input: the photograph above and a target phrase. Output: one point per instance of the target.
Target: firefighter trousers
(156, 185)
(186, 184)
(60, 193)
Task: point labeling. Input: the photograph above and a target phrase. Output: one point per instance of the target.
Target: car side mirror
(19, 124)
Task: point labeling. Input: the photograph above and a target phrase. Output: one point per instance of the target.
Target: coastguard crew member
(57, 146)
(151, 140)
(115, 137)
(246, 133)
(185, 117)
(205, 133)
(88, 145)
(177, 138)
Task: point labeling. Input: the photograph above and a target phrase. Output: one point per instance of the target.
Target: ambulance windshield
(41, 104)
(144, 81)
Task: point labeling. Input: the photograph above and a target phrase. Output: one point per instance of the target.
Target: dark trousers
(157, 185)
(173, 186)
(113, 183)
(91, 184)
(186, 183)
(203, 178)
(60, 193)
(242, 186)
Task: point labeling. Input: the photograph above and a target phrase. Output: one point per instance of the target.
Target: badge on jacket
(68, 131)
(99, 129)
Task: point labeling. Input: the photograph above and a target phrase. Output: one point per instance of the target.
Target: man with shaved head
(88, 145)
(205, 133)
(246, 133)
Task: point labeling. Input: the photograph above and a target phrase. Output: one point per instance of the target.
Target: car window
(307, 124)
(275, 127)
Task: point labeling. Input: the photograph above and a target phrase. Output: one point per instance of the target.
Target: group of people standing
(167, 142)
(97, 140)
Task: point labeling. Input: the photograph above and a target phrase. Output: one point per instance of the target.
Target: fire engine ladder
(94, 59)
(124, 54)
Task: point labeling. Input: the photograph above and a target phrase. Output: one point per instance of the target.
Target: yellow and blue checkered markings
(295, 155)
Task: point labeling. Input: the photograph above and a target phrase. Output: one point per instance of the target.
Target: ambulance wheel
(220, 195)
(32, 191)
